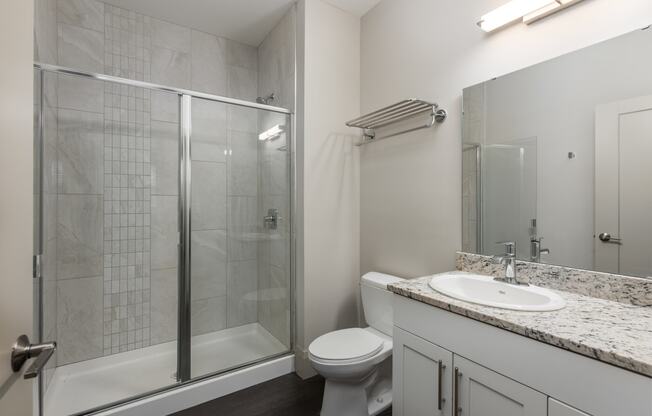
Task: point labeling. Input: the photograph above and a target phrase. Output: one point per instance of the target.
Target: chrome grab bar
(23, 351)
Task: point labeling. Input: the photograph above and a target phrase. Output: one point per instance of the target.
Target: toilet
(356, 362)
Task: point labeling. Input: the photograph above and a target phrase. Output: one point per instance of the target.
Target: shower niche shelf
(395, 113)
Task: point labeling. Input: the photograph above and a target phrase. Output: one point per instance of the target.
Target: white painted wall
(16, 185)
(328, 58)
(411, 185)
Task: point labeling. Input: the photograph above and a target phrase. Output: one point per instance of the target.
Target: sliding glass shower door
(164, 224)
(240, 245)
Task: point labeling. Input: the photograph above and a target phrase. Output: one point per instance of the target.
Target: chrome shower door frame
(183, 375)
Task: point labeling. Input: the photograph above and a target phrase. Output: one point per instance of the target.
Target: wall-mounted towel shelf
(395, 113)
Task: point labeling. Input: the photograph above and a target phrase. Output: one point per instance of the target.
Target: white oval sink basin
(484, 290)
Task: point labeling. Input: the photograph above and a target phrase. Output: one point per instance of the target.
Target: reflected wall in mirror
(557, 157)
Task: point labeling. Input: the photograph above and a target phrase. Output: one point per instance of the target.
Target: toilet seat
(345, 346)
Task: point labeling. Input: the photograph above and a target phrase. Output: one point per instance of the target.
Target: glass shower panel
(109, 192)
(509, 195)
(240, 245)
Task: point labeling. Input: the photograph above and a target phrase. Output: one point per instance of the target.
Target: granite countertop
(612, 332)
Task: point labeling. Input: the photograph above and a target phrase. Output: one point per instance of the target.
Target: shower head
(266, 100)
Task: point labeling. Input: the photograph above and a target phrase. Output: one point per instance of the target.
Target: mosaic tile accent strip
(614, 287)
(127, 184)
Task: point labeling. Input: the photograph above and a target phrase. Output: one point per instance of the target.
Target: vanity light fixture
(548, 10)
(528, 10)
(271, 133)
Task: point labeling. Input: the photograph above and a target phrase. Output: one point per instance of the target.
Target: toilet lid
(346, 344)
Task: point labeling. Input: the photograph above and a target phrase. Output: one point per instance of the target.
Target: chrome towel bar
(395, 113)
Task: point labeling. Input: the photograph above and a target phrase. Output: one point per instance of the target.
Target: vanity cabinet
(482, 392)
(428, 380)
(424, 373)
(499, 373)
(557, 408)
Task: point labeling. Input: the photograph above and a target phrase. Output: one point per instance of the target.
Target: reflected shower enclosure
(162, 262)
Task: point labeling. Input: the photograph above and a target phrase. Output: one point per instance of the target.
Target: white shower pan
(82, 386)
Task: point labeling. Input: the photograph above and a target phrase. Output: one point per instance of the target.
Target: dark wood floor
(287, 395)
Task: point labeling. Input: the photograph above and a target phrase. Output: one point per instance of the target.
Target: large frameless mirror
(556, 158)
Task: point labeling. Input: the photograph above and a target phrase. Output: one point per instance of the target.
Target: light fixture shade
(271, 133)
(548, 10)
(510, 12)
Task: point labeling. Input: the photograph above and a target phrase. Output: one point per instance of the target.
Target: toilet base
(366, 397)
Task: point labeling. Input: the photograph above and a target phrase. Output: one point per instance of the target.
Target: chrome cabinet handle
(456, 389)
(440, 376)
(607, 238)
(23, 351)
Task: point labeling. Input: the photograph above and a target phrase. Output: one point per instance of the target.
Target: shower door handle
(23, 351)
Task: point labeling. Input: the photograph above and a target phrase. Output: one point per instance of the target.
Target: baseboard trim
(302, 364)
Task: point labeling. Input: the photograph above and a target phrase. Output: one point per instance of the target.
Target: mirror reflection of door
(623, 187)
(509, 195)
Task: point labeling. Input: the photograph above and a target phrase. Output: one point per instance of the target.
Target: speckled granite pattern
(613, 332)
(619, 288)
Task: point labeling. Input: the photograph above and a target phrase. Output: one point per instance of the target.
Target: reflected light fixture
(528, 11)
(271, 133)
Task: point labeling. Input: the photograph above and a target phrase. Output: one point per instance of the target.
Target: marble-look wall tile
(209, 134)
(243, 164)
(165, 158)
(164, 226)
(276, 62)
(164, 308)
(208, 266)
(79, 319)
(81, 48)
(165, 106)
(45, 31)
(79, 236)
(242, 296)
(208, 315)
(242, 119)
(208, 63)
(170, 67)
(242, 83)
(241, 55)
(171, 36)
(276, 170)
(81, 159)
(243, 228)
(88, 14)
(208, 196)
(81, 94)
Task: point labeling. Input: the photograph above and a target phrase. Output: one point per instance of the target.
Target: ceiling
(355, 7)
(246, 21)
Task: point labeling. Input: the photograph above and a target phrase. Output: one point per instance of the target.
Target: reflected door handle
(607, 238)
(23, 351)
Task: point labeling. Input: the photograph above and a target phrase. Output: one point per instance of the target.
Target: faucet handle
(510, 247)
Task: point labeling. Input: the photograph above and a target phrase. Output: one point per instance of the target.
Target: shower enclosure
(164, 221)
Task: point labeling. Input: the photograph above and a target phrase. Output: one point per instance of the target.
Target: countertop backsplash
(614, 287)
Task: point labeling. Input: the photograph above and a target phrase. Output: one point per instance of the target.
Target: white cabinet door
(482, 392)
(556, 408)
(422, 377)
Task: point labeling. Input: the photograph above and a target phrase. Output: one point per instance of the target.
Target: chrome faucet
(509, 260)
(535, 243)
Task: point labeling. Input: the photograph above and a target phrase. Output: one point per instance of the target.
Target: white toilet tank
(377, 301)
